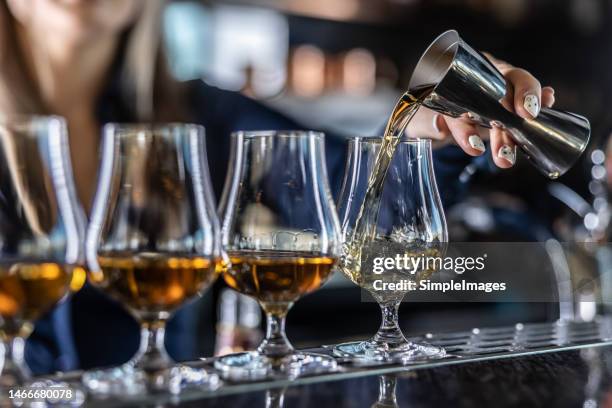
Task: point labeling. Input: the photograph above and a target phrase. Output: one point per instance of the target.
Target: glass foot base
(12, 378)
(369, 352)
(129, 380)
(256, 366)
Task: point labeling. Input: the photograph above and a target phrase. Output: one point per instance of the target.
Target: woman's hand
(524, 96)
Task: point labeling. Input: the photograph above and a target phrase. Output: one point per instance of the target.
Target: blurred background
(339, 65)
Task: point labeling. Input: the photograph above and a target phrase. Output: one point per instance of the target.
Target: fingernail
(476, 142)
(435, 122)
(507, 153)
(532, 105)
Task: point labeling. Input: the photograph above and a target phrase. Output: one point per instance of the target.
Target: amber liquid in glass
(277, 278)
(150, 283)
(27, 291)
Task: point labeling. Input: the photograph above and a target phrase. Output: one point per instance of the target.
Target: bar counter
(556, 379)
(525, 365)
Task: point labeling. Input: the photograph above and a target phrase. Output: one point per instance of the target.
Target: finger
(503, 148)
(442, 134)
(427, 124)
(503, 67)
(466, 136)
(508, 100)
(527, 93)
(548, 96)
(440, 127)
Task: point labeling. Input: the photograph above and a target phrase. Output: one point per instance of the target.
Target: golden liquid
(365, 225)
(151, 283)
(275, 278)
(27, 291)
(366, 278)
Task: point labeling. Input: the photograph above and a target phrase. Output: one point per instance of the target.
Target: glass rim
(378, 139)
(252, 134)
(127, 128)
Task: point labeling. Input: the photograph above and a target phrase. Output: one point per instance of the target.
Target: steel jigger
(465, 83)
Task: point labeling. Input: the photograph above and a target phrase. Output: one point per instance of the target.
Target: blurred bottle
(238, 328)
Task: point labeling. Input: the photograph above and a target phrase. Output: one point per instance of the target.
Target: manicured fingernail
(532, 105)
(507, 153)
(435, 122)
(476, 142)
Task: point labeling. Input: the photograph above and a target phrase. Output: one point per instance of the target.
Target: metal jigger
(465, 83)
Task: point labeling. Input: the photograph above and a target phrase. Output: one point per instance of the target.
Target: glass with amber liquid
(41, 231)
(281, 232)
(153, 241)
(277, 278)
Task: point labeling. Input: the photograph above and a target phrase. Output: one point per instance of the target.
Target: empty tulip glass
(410, 223)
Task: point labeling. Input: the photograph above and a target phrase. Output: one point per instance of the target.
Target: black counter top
(556, 379)
(531, 365)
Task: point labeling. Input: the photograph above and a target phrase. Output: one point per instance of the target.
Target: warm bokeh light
(79, 276)
(359, 73)
(308, 71)
(335, 9)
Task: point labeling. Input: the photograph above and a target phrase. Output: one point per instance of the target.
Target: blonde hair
(146, 86)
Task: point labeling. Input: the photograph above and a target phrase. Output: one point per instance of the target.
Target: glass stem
(275, 398)
(152, 353)
(276, 343)
(14, 369)
(386, 392)
(389, 332)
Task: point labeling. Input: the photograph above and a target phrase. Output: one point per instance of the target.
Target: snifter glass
(153, 240)
(410, 223)
(282, 234)
(41, 233)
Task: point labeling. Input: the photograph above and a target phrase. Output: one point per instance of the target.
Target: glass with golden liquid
(153, 242)
(400, 214)
(41, 231)
(153, 284)
(281, 232)
(27, 291)
(277, 278)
